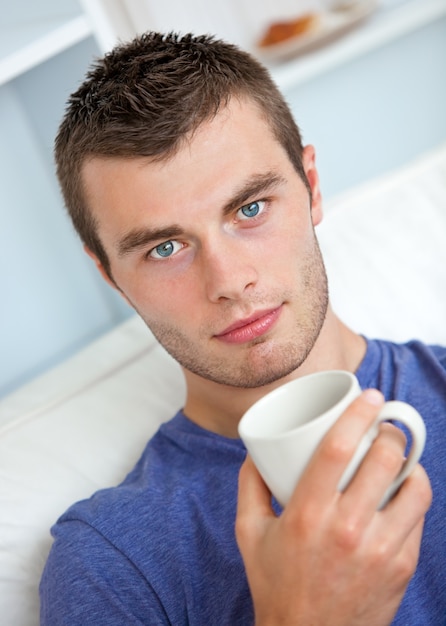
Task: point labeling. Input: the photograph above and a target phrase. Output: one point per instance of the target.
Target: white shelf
(25, 45)
(386, 25)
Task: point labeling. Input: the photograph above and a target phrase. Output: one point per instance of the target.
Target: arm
(87, 581)
(332, 558)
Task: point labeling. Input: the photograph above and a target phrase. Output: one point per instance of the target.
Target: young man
(184, 174)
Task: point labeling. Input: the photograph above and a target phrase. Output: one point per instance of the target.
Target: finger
(410, 504)
(378, 469)
(252, 491)
(254, 501)
(410, 552)
(398, 528)
(326, 467)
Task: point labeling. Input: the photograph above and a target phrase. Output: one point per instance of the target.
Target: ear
(104, 274)
(309, 164)
(101, 268)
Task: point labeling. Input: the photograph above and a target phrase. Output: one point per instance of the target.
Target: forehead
(234, 145)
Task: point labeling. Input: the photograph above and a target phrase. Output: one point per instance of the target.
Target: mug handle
(409, 417)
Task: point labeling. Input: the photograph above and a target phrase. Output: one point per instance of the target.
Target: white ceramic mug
(282, 430)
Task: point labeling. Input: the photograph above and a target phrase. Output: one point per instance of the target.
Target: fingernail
(373, 396)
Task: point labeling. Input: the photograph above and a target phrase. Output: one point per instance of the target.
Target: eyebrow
(256, 185)
(136, 239)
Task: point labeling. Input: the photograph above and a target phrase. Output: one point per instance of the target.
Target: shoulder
(172, 478)
(440, 354)
(106, 551)
(410, 349)
(386, 361)
(151, 534)
(417, 356)
(420, 363)
(76, 583)
(412, 372)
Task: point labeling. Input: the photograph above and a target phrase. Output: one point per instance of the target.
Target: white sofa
(83, 425)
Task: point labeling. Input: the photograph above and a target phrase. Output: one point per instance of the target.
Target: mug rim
(247, 417)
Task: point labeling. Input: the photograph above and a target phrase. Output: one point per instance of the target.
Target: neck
(219, 407)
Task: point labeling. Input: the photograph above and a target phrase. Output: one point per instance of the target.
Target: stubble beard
(262, 361)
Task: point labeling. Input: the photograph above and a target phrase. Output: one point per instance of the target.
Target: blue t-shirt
(161, 549)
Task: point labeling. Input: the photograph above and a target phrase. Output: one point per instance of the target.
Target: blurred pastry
(281, 31)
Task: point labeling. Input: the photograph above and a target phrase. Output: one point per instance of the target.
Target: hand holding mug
(282, 430)
(329, 557)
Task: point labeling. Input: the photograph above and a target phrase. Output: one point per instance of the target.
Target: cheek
(287, 254)
(281, 247)
(161, 298)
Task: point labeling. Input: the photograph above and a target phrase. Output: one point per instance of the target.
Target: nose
(229, 270)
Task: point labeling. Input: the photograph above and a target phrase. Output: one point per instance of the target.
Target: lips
(251, 327)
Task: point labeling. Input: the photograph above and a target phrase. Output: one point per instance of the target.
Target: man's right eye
(165, 250)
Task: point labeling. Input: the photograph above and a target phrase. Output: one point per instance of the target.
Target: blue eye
(165, 249)
(253, 209)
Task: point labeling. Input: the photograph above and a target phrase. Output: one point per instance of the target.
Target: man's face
(215, 249)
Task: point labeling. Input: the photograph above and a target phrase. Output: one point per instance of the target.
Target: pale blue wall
(53, 301)
(371, 115)
(378, 111)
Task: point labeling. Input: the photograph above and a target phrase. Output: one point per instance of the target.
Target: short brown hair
(145, 97)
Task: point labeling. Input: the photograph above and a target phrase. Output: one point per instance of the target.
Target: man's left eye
(251, 210)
